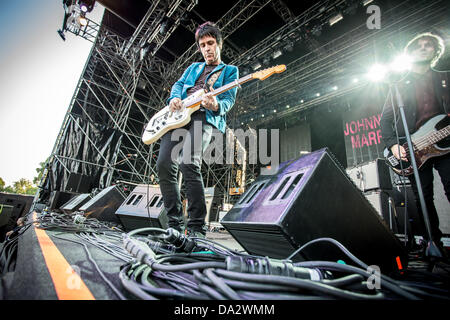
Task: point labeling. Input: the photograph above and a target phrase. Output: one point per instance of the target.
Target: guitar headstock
(264, 74)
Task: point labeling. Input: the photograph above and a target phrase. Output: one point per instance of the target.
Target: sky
(38, 76)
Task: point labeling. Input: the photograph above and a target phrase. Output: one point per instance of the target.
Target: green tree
(40, 172)
(2, 184)
(24, 186)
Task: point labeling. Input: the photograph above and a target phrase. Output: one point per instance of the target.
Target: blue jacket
(225, 100)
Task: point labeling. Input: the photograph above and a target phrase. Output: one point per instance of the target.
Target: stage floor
(60, 264)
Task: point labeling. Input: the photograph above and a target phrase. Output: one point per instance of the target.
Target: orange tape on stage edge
(68, 284)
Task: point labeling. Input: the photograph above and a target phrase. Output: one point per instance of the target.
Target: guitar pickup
(393, 161)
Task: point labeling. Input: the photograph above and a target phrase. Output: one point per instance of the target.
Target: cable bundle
(198, 268)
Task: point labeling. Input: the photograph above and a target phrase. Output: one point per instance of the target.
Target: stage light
(262, 115)
(276, 54)
(287, 107)
(83, 8)
(335, 19)
(251, 119)
(289, 46)
(377, 72)
(317, 94)
(301, 101)
(83, 21)
(335, 88)
(355, 80)
(256, 65)
(274, 110)
(401, 63)
(86, 5)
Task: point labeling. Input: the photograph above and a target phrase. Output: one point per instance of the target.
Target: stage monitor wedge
(104, 205)
(75, 203)
(309, 198)
(143, 208)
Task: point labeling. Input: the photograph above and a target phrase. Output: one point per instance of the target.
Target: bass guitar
(165, 120)
(431, 140)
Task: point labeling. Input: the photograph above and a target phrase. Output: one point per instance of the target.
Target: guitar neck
(438, 135)
(222, 89)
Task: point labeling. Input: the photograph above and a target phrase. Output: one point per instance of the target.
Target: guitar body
(436, 130)
(164, 120)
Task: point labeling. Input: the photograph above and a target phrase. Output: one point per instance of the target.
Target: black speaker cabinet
(76, 202)
(143, 208)
(58, 199)
(104, 205)
(78, 183)
(309, 198)
(5, 214)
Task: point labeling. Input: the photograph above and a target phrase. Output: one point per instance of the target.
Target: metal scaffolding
(124, 83)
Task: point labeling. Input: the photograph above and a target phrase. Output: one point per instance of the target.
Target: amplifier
(371, 175)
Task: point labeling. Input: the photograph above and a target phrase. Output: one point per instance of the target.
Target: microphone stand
(432, 250)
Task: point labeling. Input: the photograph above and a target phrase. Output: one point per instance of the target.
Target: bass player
(425, 93)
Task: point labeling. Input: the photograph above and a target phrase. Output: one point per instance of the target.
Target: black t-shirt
(200, 83)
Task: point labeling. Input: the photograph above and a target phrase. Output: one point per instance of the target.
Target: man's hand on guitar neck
(175, 105)
(395, 151)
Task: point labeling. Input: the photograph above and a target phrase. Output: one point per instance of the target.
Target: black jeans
(185, 154)
(442, 165)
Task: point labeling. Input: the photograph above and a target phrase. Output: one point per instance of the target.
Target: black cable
(337, 244)
(322, 288)
(132, 287)
(389, 283)
(221, 285)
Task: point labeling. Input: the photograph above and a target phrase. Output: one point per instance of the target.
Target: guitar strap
(213, 78)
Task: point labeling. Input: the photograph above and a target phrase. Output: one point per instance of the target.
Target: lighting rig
(75, 19)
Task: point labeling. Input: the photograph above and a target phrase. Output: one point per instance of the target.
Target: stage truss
(124, 83)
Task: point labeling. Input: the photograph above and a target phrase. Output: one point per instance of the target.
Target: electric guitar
(165, 120)
(428, 142)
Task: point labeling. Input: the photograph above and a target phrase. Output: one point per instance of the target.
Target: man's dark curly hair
(208, 29)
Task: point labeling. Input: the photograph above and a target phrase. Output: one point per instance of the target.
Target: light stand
(432, 250)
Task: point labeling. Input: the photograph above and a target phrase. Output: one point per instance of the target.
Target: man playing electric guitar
(212, 73)
(425, 94)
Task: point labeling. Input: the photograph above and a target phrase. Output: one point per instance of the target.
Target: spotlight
(317, 94)
(355, 80)
(276, 54)
(83, 8)
(86, 5)
(287, 107)
(256, 65)
(335, 88)
(83, 21)
(335, 19)
(377, 72)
